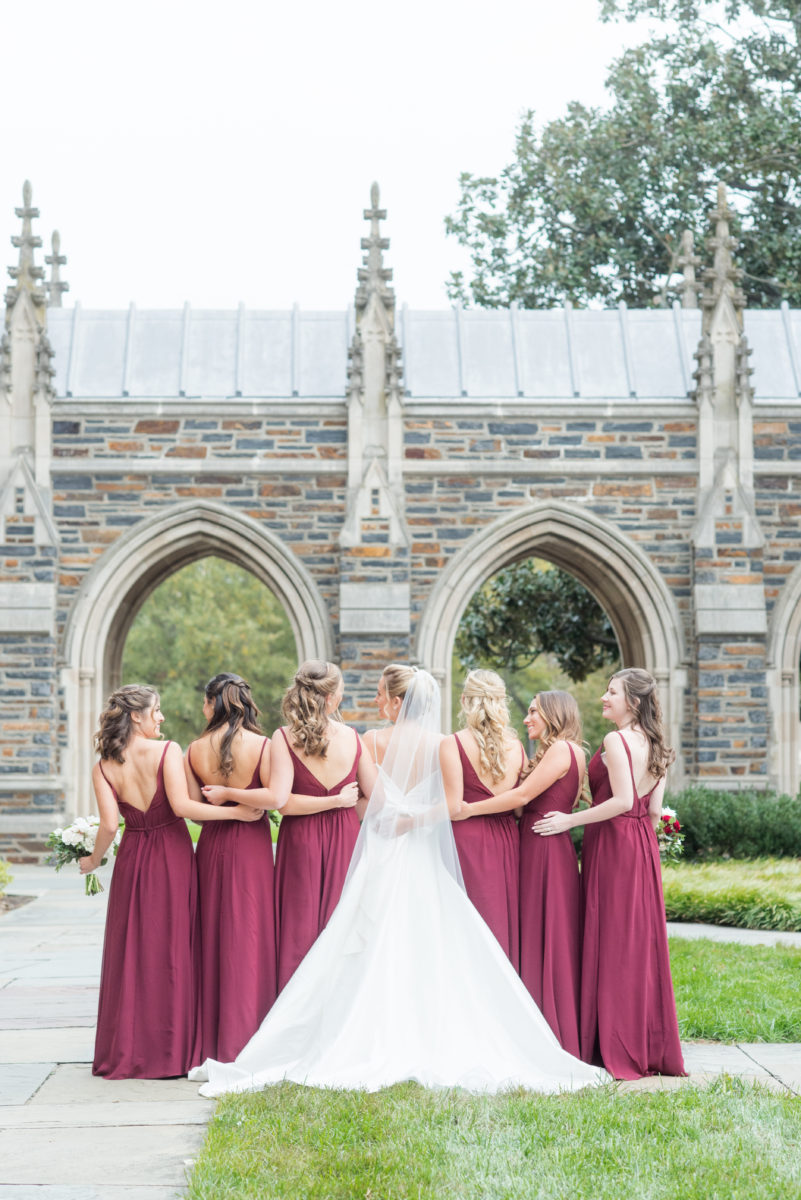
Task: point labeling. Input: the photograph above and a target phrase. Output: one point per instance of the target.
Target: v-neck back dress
(311, 862)
(488, 855)
(628, 1010)
(237, 928)
(147, 1024)
(550, 911)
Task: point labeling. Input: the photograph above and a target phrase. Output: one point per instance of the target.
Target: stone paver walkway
(65, 1135)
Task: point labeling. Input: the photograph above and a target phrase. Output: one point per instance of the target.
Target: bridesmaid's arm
(262, 798)
(453, 779)
(621, 800)
(178, 795)
(192, 785)
(293, 805)
(366, 774)
(655, 803)
(109, 822)
(553, 765)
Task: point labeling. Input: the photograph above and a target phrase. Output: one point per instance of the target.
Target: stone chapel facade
(373, 467)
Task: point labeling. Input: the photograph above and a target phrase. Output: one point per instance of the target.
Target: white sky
(224, 153)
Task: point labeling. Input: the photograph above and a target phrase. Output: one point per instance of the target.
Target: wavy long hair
(642, 698)
(116, 726)
(234, 709)
(303, 705)
(562, 718)
(485, 712)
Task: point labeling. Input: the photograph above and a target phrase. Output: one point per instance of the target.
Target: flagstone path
(66, 1135)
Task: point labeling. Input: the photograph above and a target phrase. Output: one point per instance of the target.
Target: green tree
(593, 205)
(210, 616)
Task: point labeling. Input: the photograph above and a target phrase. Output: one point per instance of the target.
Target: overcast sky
(224, 153)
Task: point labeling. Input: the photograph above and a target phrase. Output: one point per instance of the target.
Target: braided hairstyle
(303, 705)
(486, 714)
(116, 725)
(640, 691)
(234, 709)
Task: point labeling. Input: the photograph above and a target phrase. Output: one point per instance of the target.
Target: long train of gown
(146, 1019)
(237, 928)
(550, 912)
(405, 982)
(488, 849)
(628, 1012)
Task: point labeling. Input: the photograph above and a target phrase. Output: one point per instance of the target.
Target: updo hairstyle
(303, 705)
(486, 714)
(640, 691)
(234, 709)
(116, 726)
(397, 677)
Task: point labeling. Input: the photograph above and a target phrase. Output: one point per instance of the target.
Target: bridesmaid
(147, 1022)
(316, 762)
(628, 1012)
(550, 894)
(391, 690)
(486, 758)
(235, 871)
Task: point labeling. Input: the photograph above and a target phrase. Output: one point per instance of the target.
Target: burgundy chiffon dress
(147, 1015)
(311, 862)
(550, 912)
(628, 1012)
(237, 929)
(488, 856)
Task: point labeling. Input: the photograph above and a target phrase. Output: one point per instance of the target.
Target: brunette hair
(562, 718)
(486, 714)
(639, 689)
(115, 726)
(397, 677)
(234, 709)
(303, 705)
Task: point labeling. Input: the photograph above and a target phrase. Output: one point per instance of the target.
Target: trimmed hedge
(747, 824)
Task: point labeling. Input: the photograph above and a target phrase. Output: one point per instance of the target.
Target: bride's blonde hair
(486, 714)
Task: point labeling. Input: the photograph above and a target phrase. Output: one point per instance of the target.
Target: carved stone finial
(55, 285)
(723, 277)
(26, 274)
(687, 262)
(373, 276)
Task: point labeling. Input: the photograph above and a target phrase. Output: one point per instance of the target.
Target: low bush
(5, 876)
(747, 824)
(761, 894)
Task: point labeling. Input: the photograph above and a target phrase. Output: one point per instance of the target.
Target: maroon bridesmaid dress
(488, 856)
(146, 1021)
(237, 929)
(628, 1012)
(311, 862)
(550, 912)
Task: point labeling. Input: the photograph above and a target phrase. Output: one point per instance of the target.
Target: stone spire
(373, 276)
(26, 275)
(55, 286)
(687, 262)
(723, 277)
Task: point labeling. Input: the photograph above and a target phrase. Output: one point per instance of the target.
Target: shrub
(747, 824)
(5, 876)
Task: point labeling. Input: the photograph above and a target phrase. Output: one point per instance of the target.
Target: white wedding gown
(406, 982)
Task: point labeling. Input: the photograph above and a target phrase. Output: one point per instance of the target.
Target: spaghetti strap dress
(628, 1011)
(311, 862)
(550, 912)
(237, 928)
(488, 855)
(147, 1014)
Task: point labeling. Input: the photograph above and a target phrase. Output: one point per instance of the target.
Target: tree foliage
(208, 617)
(527, 610)
(593, 205)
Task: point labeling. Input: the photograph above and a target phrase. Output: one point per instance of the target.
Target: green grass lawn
(760, 893)
(730, 1140)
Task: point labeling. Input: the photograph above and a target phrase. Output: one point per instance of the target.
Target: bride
(406, 981)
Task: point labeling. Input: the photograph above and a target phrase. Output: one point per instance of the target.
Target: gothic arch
(126, 574)
(783, 657)
(611, 566)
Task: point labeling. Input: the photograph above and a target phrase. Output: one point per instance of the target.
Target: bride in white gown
(406, 981)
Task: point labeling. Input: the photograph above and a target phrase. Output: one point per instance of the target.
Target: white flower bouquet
(77, 841)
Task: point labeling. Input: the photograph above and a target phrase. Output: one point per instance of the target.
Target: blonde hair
(486, 714)
(397, 677)
(639, 689)
(303, 705)
(116, 724)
